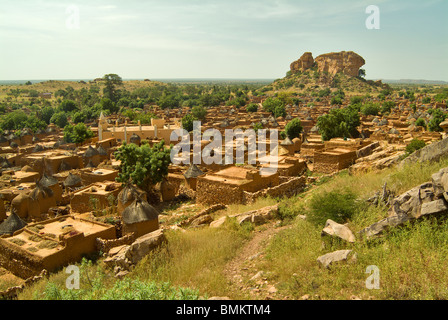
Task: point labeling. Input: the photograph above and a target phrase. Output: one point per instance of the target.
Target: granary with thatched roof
(140, 218)
(12, 224)
(128, 195)
(72, 181)
(191, 175)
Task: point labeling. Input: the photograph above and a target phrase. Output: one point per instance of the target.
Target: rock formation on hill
(346, 62)
(305, 62)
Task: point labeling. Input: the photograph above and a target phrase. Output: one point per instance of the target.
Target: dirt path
(242, 270)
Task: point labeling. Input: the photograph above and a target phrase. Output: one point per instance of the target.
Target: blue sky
(217, 38)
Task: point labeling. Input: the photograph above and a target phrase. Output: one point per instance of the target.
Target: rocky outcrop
(346, 62)
(305, 62)
(431, 152)
(427, 199)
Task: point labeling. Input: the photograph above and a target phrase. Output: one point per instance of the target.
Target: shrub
(355, 100)
(387, 106)
(370, 109)
(253, 107)
(338, 206)
(414, 145)
(420, 123)
(294, 128)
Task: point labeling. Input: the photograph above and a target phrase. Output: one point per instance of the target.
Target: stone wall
(286, 189)
(217, 192)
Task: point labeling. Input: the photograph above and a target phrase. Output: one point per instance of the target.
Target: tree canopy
(144, 166)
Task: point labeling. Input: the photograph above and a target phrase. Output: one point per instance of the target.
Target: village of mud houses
(281, 169)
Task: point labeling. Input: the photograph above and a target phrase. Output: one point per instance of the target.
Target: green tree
(437, 118)
(338, 123)
(77, 133)
(270, 104)
(370, 109)
(109, 105)
(110, 91)
(46, 114)
(362, 73)
(280, 111)
(187, 122)
(199, 112)
(294, 128)
(14, 120)
(144, 166)
(79, 117)
(59, 119)
(68, 106)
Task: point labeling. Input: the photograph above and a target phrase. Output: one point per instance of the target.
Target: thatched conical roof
(11, 224)
(129, 193)
(287, 142)
(90, 152)
(139, 211)
(193, 172)
(72, 181)
(64, 166)
(40, 191)
(48, 181)
(4, 163)
(38, 148)
(90, 164)
(102, 151)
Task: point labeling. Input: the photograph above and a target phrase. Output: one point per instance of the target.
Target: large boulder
(335, 229)
(346, 62)
(144, 245)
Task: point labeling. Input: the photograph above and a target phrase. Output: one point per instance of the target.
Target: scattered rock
(338, 230)
(333, 257)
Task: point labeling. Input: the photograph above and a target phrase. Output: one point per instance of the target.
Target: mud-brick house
(96, 196)
(290, 166)
(51, 244)
(228, 186)
(333, 160)
(93, 175)
(50, 161)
